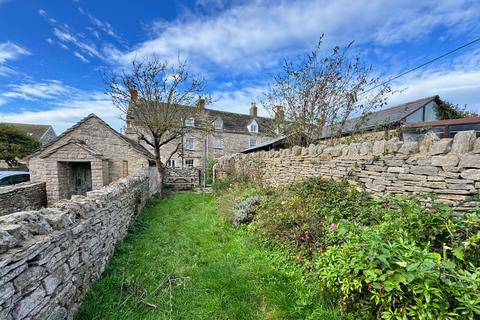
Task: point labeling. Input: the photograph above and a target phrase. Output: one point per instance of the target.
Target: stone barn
(87, 157)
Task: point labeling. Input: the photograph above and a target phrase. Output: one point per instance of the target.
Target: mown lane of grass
(183, 262)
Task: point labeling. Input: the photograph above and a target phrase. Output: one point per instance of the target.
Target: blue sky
(53, 53)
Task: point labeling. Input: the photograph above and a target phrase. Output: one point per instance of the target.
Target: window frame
(171, 163)
(189, 122)
(254, 142)
(189, 165)
(215, 145)
(218, 121)
(186, 145)
(253, 127)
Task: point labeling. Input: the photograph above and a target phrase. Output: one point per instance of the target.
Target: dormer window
(189, 122)
(253, 127)
(218, 124)
(217, 143)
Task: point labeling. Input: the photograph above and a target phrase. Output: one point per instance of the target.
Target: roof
(238, 122)
(34, 130)
(386, 117)
(437, 123)
(79, 143)
(232, 122)
(135, 145)
(268, 145)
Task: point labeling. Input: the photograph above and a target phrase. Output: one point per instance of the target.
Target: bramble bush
(388, 258)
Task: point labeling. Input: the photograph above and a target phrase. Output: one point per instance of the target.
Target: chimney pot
(253, 110)
(201, 103)
(133, 93)
(279, 113)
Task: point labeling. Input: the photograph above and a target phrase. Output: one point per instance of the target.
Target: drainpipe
(205, 162)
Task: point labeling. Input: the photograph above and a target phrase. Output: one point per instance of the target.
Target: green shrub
(294, 216)
(375, 277)
(411, 264)
(388, 258)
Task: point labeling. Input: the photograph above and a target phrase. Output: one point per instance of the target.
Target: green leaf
(383, 259)
(399, 278)
(412, 266)
(377, 285)
(458, 253)
(389, 285)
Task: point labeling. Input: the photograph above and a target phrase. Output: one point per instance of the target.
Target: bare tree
(156, 98)
(316, 95)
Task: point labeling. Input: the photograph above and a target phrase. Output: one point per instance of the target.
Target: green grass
(181, 261)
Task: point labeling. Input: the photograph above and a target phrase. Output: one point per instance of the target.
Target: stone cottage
(87, 157)
(232, 133)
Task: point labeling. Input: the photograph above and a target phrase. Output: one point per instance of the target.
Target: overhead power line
(423, 64)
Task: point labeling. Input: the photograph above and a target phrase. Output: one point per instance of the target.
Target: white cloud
(36, 90)
(102, 25)
(66, 111)
(87, 48)
(252, 34)
(11, 51)
(459, 87)
(80, 56)
(238, 100)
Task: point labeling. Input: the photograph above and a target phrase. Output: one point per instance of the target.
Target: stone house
(86, 157)
(41, 132)
(233, 133)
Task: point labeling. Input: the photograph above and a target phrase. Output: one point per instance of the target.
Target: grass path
(181, 261)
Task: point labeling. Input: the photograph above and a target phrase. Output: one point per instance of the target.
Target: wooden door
(82, 177)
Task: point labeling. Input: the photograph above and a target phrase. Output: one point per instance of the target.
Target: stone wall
(49, 258)
(449, 168)
(22, 196)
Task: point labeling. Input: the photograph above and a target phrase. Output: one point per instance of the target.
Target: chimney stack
(279, 113)
(201, 103)
(133, 93)
(253, 110)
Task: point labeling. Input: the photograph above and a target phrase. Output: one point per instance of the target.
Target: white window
(188, 144)
(218, 124)
(253, 126)
(253, 142)
(217, 143)
(189, 122)
(189, 163)
(171, 163)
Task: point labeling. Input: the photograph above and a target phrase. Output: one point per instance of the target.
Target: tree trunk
(161, 171)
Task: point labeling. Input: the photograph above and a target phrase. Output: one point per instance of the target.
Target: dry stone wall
(50, 257)
(22, 196)
(449, 168)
